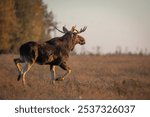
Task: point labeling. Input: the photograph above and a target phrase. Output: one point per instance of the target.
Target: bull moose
(54, 52)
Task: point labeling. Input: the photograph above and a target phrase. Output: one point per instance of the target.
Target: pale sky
(110, 23)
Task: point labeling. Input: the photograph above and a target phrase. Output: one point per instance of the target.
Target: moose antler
(81, 30)
(59, 30)
(73, 28)
(65, 30)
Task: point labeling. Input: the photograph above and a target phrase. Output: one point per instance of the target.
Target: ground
(92, 77)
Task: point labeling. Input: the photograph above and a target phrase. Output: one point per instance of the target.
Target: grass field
(92, 77)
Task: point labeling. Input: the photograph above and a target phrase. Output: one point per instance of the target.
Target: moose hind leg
(65, 67)
(25, 69)
(17, 62)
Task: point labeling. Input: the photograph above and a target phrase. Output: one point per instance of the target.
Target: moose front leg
(65, 67)
(53, 73)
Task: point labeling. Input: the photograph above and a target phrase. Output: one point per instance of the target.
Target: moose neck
(69, 42)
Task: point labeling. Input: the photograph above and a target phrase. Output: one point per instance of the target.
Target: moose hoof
(19, 76)
(60, 79)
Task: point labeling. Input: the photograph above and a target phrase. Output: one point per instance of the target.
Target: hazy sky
(110, 23)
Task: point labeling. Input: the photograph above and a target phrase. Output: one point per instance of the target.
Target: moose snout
(82, 42)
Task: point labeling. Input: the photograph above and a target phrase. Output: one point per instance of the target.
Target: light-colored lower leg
(17, 63)
(19, 67)
(64, 66)
(53, 74)
(25, 69)
(63, 77)
(54, 69)
(67, 73)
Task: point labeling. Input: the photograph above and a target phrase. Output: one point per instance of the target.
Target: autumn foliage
(22, 21)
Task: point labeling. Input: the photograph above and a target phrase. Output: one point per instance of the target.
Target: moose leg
(52, 73)
(17, 63)
(25, 69)
(65, 67)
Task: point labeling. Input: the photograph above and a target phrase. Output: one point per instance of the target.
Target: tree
(49, 22)
(118, 50)
(7, 24)
(30, 20)
(22, 21)
(98, 50)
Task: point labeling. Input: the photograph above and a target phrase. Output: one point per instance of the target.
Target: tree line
(22, 21)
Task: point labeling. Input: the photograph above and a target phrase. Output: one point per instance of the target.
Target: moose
(54, 52)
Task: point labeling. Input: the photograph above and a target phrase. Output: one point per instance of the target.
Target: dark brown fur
(54, 52)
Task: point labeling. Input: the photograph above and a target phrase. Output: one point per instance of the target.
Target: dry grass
(92, 77)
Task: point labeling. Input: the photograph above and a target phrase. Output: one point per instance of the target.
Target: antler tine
(59, 30)
(83, 29)
(65, 29)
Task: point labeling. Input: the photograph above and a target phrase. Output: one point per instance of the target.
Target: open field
(92, 77)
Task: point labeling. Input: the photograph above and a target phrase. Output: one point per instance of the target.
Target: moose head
(74, 34)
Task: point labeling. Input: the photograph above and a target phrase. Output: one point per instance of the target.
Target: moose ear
(65, 29)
